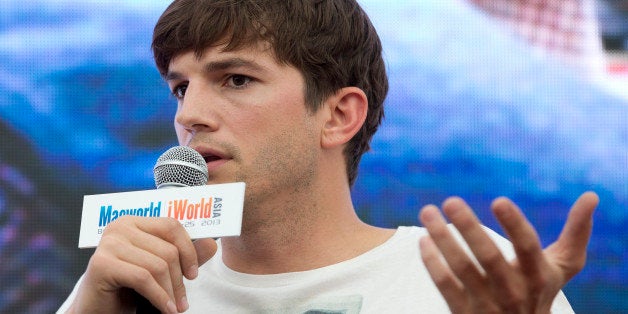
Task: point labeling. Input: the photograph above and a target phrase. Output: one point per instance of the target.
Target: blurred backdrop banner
(522, 98)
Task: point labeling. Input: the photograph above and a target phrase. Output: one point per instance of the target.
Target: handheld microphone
(205, 211)
(180, 166)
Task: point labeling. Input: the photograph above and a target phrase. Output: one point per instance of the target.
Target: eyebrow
(220, 66)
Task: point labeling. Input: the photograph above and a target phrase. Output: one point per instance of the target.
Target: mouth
(213, 158)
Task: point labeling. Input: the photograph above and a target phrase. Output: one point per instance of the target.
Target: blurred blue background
(472, 111)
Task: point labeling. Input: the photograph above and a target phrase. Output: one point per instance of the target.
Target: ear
(348, 109)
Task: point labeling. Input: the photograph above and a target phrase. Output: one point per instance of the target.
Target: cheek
(263, 121)
(270, 133)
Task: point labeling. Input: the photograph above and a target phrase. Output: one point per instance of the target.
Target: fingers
(527, 283)
(502, 281)
(171, 231)
(522, 235)
(446, 282)
(541, 280)
(205, 249)
(137, 278)
(569, 251)
(161, 259)
(484, 249)
(456, 258)
(496, 276)
(161, 249)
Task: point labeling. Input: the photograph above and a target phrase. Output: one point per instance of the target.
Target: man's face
(245, 114)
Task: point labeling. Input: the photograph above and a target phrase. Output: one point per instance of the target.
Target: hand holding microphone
(147, 254)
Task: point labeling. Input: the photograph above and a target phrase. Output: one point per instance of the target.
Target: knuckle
(110, 242)
(108, 246)
(439, 232)
(159, 268)
(465, 221)
(122, 220)
(178, 285)
(491, 258)
(117, 226)
(143, 277)
(172, 225)
(529, 245)
(99, 261)
(466, 267)
(171, 254)
(442, 280)
(111, 228)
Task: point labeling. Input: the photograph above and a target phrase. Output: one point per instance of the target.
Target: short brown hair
(332, 42)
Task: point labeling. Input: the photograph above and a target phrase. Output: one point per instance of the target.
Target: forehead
(258, 62)
(261, 52)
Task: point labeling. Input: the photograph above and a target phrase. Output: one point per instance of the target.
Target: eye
(238, 81)
(179, 91)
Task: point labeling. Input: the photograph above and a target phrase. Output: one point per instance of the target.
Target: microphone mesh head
(180, 166)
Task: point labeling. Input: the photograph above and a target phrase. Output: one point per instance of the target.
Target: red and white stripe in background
(564, 29)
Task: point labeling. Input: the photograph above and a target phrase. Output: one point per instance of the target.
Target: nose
(195, 112)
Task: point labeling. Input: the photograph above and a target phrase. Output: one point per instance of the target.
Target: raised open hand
(488, 283)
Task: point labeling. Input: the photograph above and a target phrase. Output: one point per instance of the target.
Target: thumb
(569, 251)
(205, 249)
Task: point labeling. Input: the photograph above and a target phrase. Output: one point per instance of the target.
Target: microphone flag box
(207, 211)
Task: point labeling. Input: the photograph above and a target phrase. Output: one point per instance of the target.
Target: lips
(209, 154)
(213, 158)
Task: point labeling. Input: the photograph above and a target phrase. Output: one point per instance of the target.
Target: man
(285, 96)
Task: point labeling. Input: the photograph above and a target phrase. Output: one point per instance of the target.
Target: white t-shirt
(390, 278)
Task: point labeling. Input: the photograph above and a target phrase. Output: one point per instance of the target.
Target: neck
(301, 235)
